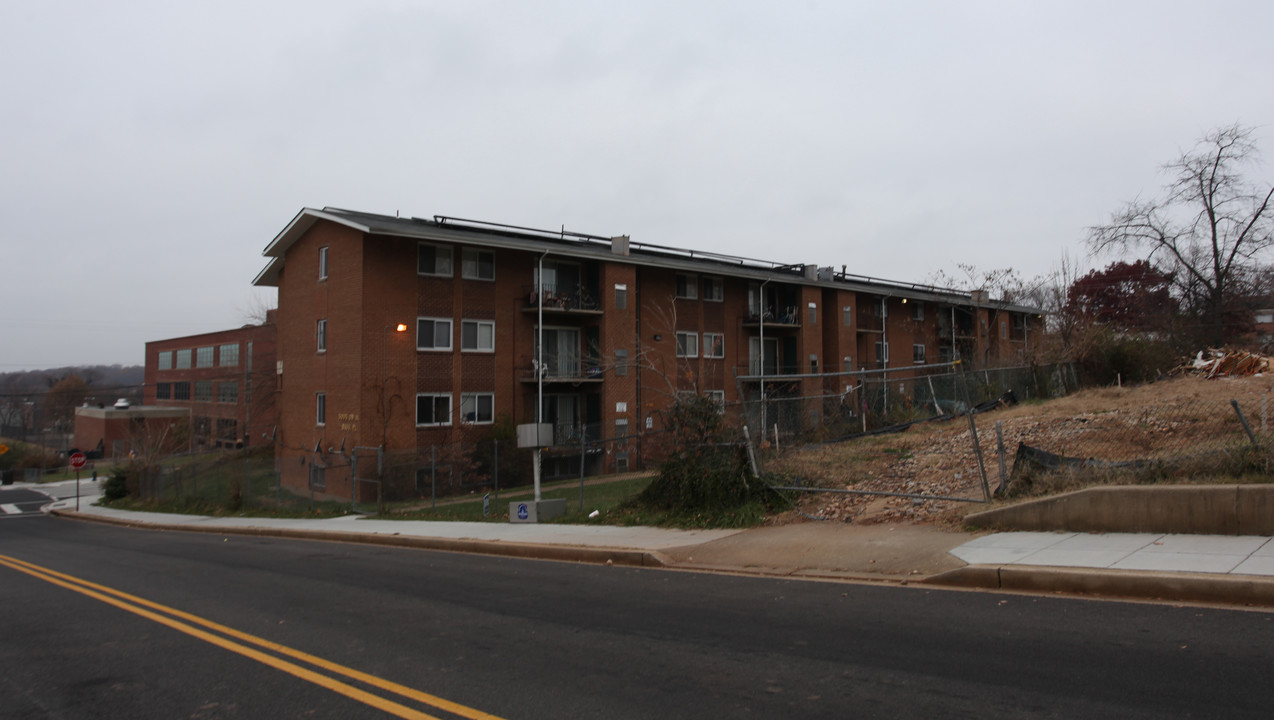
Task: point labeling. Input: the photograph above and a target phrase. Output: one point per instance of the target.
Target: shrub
(115, 487)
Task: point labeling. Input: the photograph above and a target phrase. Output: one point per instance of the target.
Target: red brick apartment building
(626, 326)
(226, 381)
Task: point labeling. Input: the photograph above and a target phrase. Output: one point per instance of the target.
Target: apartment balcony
(553, 298)
(559, 368)
(789, 319)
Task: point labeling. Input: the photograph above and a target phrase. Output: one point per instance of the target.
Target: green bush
(115, 487)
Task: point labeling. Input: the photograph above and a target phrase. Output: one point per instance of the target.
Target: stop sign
(78, 460)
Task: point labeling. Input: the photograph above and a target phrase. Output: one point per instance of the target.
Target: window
(203, 357)
(433, 334)
(813, 364)
(477, 408)
(320, 336)
(718, 397)
(320, 408)
(228, 355)
(203, 391)
(918, 353)
(687, 344)
(477, 264)
(323, 263)
(847, 364)
(181, 391)
(318, 477)
(713, 289)
(1263, 317)
(918, 311)
(1004, 330)
(621, 427)
(713, 345)
(228, 392)
(183, 359)
(882, 352)
(621, 297)
(847, 316)
(813, 313)
(621, 363)
(477, 335)
(166, 359)
(686, 287)
(433, 409)
(163, 391)
(433, 260)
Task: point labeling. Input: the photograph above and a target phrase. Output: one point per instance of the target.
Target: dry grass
(1172, 419)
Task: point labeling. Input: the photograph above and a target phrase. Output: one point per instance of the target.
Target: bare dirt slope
(1171, 418)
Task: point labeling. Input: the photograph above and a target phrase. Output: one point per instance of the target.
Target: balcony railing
(554, 297)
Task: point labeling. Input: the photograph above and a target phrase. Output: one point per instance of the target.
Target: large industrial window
(183, 359)
(166, 360)
(228, 355)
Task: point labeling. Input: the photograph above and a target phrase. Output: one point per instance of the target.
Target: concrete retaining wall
(1198, 509)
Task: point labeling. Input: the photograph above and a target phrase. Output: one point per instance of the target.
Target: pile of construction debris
(1227, 363)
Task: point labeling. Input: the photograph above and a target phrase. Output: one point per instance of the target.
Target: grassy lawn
(602, 496)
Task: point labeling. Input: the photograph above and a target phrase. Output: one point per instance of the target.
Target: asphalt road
(531, 639)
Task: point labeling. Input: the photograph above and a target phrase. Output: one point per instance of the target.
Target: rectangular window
(181, 391)
(163, 391)
(203, 357)
(477, 408)
(433, 409)
(847, 316)
(166, 360)
(621, 363)
(882, 352)
(918, 353)
(1004, 330)
(713, 345)
(813, 307)
(183, 359)
(323, 263)
(320, 336)
(228, 392)
(433, 333)
(813, 364)
(318, 477)
(687, 344)
(203, 391)
(477, 335)
(847, 364)
(433, 260)
(713, 289)
(918, 311)
(228, 355)
(718, 397)
(621, 428)
(477, 264)
(687, 288)
(621, 297)
(320, 408)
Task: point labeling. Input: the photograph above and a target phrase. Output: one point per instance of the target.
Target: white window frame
(479, 325)
(918, 353)
(320, 409)
(435, 397)
(847, 315)
(439, 252)
(686, 287)
(813, 313)
(469, 404)
(713, 289)
(621, 296)
(434, 334)
(882, 352)
(471, 264)
(717, 396)
(320, 335)
(709, 345)
(323, 258)
(685, 340)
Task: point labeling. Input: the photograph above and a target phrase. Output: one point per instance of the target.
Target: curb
(526, 551)
(1123, 584)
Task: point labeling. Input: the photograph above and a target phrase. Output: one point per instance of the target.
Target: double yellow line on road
(227, 637)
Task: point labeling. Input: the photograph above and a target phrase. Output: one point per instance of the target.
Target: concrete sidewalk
(1188, 568)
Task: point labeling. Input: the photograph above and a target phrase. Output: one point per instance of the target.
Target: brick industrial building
(226, 381)
(401, 333)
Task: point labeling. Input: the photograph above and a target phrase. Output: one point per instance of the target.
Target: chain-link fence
(230, 481)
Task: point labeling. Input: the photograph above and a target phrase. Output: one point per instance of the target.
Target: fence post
(747, 437)
(999, 447)
(1246, 428)
(583, 431)
(973, 435)
(353, 482)
(433, 477)
(496, 470)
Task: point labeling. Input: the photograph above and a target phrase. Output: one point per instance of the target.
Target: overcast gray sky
(151, 150)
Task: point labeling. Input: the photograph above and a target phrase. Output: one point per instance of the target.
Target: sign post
(77, 462)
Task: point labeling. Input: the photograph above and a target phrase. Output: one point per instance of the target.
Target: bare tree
(1210, 229)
